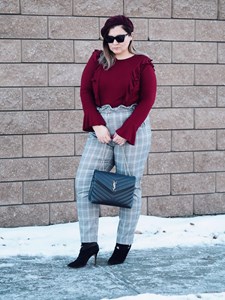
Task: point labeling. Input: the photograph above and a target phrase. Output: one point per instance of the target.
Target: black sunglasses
(119, 38)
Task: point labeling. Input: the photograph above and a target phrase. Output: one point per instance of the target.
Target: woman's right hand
(102, 133)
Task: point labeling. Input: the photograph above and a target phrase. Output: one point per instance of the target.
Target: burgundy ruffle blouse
(127, 82)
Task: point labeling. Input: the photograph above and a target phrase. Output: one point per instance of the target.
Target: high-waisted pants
(101, 156)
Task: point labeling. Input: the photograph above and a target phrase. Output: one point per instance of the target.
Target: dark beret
(115, 21)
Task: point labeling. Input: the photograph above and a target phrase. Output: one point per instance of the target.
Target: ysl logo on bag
(114, 185)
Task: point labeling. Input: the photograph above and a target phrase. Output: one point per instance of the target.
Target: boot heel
(86, 252)
(95, 256)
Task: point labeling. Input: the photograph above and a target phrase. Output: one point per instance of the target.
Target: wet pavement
(168, 271)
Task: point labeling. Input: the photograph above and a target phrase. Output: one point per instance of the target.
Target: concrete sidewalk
(159, 271)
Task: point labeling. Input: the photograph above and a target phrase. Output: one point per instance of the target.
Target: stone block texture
(10, 7)
(44, 46)
(46, 7)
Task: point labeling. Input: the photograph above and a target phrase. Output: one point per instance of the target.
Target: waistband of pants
(109, 108)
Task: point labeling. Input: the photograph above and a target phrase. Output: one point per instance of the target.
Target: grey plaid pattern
(104, 157)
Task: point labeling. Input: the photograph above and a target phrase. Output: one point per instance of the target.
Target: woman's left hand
(118, 139)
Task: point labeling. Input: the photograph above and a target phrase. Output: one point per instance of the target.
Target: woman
(118, 89)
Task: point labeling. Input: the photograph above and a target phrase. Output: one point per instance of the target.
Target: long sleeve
(146, 100)
(91, 115)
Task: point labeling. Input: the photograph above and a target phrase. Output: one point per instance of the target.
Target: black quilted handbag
(112, 189)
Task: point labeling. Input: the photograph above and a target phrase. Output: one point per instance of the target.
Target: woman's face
(119, 49)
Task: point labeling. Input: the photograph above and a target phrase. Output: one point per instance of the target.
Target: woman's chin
(116, 51)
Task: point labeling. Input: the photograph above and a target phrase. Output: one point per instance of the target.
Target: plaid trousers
(104, 157)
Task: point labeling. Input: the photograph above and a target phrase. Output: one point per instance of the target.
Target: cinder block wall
(43, 49)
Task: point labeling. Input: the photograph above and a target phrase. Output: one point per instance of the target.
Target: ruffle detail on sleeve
(134, 86)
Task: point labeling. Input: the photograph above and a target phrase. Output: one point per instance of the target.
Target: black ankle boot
(119, 254)
(86, 251)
